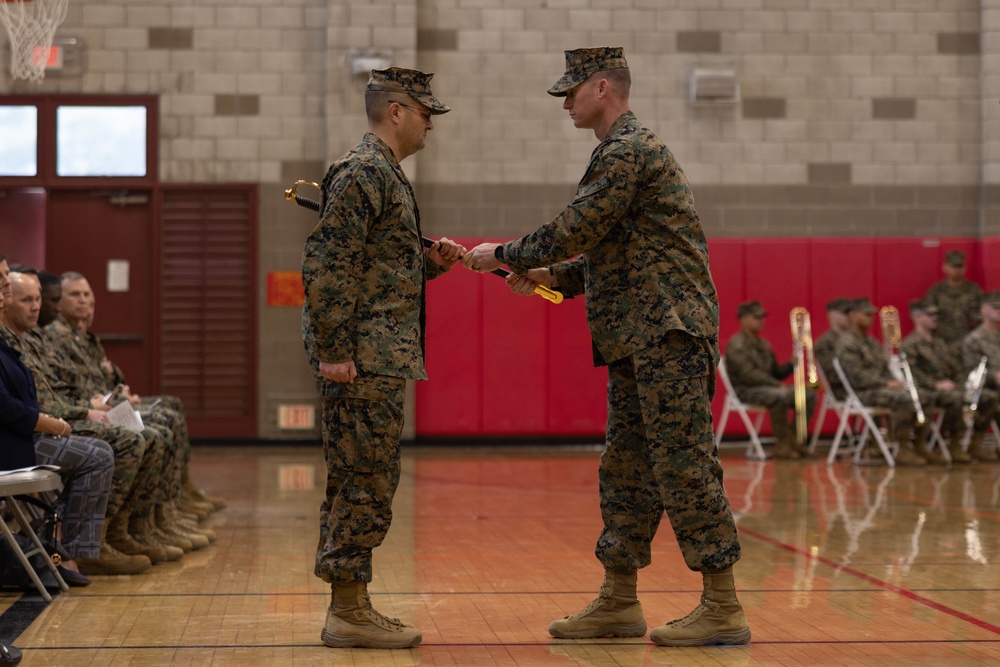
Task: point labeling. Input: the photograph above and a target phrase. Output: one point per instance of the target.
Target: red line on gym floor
(878, 582)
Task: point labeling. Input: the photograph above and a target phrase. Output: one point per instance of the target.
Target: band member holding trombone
(867, 371)
(937, 373)
(756, 376)
(981, 359)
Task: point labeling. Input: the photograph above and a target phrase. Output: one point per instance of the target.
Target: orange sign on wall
(284, 288)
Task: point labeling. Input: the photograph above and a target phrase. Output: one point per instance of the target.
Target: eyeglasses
(426, 115)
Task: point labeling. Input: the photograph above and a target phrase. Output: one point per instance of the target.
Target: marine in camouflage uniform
(632, 241)
(756, 377)
(825, 347)
(868, 373)
(164, 409)
(151, 518)
(984, 341)
(937, 371)
(957, 301)
(363, 323)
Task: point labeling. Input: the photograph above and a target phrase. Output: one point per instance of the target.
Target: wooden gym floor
(841, 566)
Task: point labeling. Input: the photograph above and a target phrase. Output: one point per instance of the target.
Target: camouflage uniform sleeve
(781, 371)
(603, 197)
(570, 277)
(859, 372)
(743, 371)
(331, 264)
(972, 351)
(918, 362)
(49, 400)
(432, 270)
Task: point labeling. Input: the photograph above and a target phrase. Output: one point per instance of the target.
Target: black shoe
(73, 578)
(9, 655)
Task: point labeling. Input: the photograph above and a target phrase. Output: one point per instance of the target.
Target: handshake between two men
(446, 253)
(483, 259)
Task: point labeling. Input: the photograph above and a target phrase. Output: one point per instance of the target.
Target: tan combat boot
(118, 537)
(980, 453)
(352, 622)
(111, 561)
(955, 449)
(198, 495)
(141, 530)
(719, 619)
(908, 456)
(616, 611)
(164, 519)
(934, 456)
(786, 448)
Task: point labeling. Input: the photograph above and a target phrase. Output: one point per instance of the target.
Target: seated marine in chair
(867, 371)
(756, 377)
(937, 370)
(984, 341)
(825, 346)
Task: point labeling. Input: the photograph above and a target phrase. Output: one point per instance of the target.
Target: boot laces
(603, 598)
(379, 618)
(693, 615)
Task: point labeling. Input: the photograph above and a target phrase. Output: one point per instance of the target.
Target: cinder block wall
(858, 117)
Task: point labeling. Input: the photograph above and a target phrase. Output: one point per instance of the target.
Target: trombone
(805, 374)
(974, 389)
(898, 365)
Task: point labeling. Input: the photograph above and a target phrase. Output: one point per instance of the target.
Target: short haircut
(377, 104)
(47, 278)
(70, 276)
(2, 257)
(17, 267)
(620, 78)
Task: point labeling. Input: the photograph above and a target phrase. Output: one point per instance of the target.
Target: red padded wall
(450, 403)
(905, 268)
(505, 365)
(841, 268)
(515, 359)
(577, 391)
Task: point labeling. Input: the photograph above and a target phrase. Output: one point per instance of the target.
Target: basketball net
(31, 25)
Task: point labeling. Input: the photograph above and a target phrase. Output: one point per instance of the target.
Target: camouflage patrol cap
(954, 258)
(410, 82)
(919, 306)
(992, 299)
(581, 63)
(751, 308)
(862, 305)
(838, 305)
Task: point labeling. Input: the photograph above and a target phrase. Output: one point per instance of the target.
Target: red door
(108, 237)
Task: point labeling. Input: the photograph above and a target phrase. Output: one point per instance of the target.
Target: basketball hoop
(31, 25)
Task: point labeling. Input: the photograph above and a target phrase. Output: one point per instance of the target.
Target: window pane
(18, 141)
(101, 141)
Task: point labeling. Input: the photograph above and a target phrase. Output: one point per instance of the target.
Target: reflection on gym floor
(842, 565)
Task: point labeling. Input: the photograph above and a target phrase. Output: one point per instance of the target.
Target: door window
(18, 140)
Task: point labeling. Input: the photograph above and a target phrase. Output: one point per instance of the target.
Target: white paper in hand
(125, 416)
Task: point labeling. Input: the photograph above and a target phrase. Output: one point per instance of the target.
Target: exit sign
(296, 417)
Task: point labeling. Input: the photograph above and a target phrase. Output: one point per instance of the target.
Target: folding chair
(755, 450)
(854, 408)
(829, 401)
(936, 417)
(19, 483)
